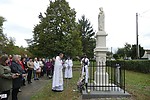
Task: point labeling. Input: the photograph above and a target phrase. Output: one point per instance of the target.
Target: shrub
(134, 65)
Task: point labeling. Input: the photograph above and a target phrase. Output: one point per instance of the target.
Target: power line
(147, 17)
(142, 14)
(145, 11)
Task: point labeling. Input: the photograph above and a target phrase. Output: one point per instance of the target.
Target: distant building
(146, 55)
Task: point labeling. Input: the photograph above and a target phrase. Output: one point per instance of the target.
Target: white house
(146, 54)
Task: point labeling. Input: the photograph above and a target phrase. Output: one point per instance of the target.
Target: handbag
(38, 70)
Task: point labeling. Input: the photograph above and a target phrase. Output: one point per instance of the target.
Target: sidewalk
(30, 89)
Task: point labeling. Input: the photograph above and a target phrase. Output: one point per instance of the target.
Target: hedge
(134, 65)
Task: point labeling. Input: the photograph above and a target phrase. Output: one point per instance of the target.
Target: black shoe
(57, 90)
(24, 84)
(53, 90)
(29, 82)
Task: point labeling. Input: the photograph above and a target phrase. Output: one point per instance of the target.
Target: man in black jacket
(17, 69)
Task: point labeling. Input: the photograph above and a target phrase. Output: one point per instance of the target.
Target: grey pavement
(30, 89)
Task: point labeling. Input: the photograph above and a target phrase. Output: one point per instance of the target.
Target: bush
(134, 65)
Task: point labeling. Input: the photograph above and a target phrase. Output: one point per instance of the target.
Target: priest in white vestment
(57, 84)
(68, 69)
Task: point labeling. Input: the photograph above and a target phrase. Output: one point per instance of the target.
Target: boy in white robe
(57, 84)
(68, 69)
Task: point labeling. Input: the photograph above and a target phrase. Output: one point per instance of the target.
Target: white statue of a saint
(101, 20)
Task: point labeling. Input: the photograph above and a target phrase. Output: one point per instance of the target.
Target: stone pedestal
(101, 76)
(104, 88)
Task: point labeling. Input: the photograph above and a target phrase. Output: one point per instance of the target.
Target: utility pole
(137, 44)
(111, 53)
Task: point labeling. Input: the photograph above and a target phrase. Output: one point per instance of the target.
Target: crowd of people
(15, 71)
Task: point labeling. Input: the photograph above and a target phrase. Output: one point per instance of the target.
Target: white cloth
(85, 68)
(58, 75)
(36, 65)
(68, 69)
(41, 64)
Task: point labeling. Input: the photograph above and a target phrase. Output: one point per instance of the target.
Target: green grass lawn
(68, 94)
(137, 84)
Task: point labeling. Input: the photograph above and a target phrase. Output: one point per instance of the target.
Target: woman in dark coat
(17, 69)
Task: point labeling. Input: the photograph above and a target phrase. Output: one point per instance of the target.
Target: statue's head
(101, 8)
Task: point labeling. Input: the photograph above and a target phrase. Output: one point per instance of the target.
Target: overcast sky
(120, 18)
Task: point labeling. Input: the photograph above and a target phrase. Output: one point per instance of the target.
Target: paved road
(30, 89)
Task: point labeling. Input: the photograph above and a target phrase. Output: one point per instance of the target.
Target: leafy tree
(127, 50)
(9, 48)
(109, 54)
(7, 45)
(116, 56)
(3, 38)
(2, 20)
(133, 51)
(57, 32)
(121, 53)
(87, 34)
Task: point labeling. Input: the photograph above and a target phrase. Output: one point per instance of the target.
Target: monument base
(101, 79)
(106, 94)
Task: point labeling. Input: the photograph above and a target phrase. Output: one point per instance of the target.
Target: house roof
(147, 51)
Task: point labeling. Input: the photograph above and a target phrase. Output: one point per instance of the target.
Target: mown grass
(68, 94)
(137, 84)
